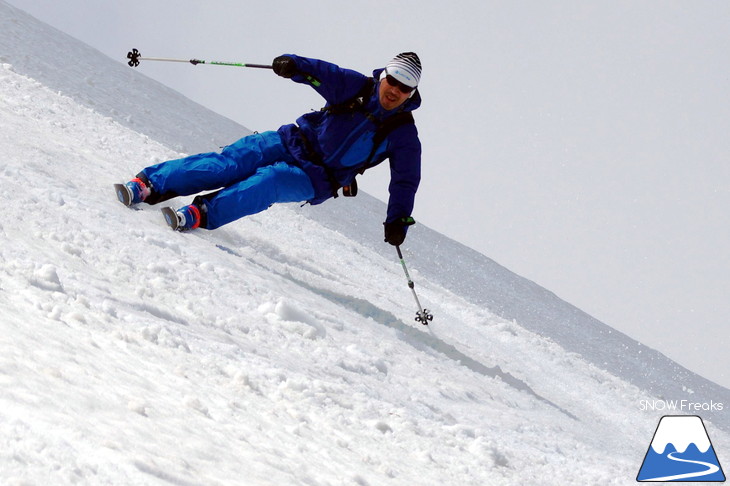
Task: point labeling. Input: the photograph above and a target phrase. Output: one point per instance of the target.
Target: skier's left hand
(395, 231)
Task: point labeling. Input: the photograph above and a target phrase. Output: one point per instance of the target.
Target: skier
(365, 121)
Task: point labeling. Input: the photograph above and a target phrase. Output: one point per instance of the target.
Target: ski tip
(171, 218)
(123, 194)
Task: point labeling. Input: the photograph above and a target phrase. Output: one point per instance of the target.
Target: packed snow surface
(272, 351)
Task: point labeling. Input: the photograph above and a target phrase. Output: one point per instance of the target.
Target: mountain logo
(681, 451)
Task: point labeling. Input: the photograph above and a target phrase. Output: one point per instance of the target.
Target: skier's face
(392, 95)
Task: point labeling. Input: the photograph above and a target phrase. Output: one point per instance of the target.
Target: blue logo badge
(681, 451)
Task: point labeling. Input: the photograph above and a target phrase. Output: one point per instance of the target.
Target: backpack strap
(356, 103)
(390, 124)
(384, 129)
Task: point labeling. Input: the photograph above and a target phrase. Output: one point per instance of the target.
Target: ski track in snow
(268, 352)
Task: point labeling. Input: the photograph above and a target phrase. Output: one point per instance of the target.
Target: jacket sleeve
(334, 84)
(405, 172)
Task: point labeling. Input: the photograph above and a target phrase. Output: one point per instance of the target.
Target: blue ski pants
(254, 173)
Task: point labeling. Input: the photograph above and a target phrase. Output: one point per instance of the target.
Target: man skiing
(365, 121)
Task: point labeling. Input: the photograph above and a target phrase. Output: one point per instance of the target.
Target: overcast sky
(583, 145)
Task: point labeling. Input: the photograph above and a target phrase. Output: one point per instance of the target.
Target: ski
(171, 218)
(123, 194)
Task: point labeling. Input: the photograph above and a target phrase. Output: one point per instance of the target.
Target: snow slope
(135, 101)
(272, 351)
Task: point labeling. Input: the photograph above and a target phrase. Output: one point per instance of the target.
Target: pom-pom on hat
(406, 68)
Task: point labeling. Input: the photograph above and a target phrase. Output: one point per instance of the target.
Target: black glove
(285, 66)
(395, 231)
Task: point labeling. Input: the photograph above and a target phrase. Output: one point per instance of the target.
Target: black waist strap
(316, 159)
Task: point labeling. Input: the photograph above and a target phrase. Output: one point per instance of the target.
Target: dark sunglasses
(403, 88)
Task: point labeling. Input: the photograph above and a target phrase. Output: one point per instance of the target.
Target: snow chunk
(162, 336)
(383, 427)
(46, 278)
(293, 319)
(194, 403)
(138, 406)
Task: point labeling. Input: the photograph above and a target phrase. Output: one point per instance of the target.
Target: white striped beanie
(406, 68)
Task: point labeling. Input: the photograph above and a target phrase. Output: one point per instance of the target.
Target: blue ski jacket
(331, 146)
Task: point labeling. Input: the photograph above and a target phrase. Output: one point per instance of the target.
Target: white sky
(583, 145)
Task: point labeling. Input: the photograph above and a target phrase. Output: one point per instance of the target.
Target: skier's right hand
(285, 66)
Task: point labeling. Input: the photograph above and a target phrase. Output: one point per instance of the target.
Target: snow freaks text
(680, 406)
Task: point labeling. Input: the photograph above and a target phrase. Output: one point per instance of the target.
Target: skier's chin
(390, 104)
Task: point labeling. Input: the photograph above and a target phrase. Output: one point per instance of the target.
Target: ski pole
(422, 315)
(135, 56)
